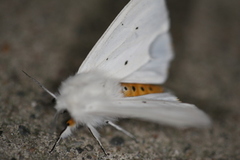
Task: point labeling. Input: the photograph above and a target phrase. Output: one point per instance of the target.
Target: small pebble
(21, 93)
(32, 116)
(80, 150)
(23, 130)
(88, 147)
(187, 147)
(117, 141)
(89, 157)
(33, 104)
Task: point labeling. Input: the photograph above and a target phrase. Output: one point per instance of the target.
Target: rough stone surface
(50, 39)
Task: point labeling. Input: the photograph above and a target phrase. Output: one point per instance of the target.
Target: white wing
(170, 112)
(136, 47)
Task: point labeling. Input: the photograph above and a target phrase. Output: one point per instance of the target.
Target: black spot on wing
(106, 59)
(136, 28)
(126, 62)
(144, 101)
(133, 88)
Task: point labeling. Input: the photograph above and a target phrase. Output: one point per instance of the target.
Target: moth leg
(71, 125)
(121, 129)
(56, 142)
(96, 136)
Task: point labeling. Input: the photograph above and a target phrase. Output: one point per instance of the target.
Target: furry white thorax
(83, 93)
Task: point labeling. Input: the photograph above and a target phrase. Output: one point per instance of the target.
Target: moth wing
(166, 96)
(169, 112)
(135, 46)
(155, 71)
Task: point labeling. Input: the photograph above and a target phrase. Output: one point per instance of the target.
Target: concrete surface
(49, 40)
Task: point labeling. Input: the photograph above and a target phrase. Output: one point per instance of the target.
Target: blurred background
(50, 39)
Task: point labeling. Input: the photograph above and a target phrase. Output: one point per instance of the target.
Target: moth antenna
(65, 133)
(45, 89)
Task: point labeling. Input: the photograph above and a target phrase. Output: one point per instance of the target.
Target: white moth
(121, 76)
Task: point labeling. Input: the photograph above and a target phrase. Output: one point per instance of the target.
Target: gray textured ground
(49, 40)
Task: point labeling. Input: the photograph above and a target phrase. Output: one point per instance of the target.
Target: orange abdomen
(135, 89)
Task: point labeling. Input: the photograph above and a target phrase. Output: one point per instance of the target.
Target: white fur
(84, 92)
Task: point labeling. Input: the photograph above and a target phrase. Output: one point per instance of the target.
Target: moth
(123, 74)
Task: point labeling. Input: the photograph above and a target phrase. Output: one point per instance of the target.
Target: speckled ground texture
(50, 39)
